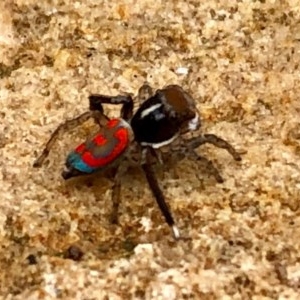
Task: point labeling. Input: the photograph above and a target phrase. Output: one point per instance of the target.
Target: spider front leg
(157, 192)
(66, 126)
(96, 101)
(195, 142)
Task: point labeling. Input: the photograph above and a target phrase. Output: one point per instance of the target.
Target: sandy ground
(240, 62)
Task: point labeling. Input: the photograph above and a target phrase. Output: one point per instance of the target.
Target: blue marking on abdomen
(74, 160)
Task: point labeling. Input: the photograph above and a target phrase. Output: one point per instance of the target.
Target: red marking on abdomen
(80, 148)
(99, 140)
(119, 144)
(122, 136)
(113, 123)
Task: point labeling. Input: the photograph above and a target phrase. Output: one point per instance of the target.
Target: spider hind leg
(66, 126)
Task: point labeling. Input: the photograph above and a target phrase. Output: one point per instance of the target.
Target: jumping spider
(163, 116)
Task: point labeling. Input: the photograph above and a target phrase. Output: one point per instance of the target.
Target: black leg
(158, 194)
(194, 143)
(96, 101)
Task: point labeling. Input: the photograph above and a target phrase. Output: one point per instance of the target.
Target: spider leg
(116, 192)
(115, 197)
(67, 125)
(209, 166)
(158, 194)
(157, 155)
(96, 101)
(145, 92)
(195, 142)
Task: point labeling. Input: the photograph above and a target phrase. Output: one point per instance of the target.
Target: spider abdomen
(99, 151)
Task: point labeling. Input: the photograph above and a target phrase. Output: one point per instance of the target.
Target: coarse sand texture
(240, 62)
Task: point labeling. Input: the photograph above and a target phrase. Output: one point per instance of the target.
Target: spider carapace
(164, 116)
